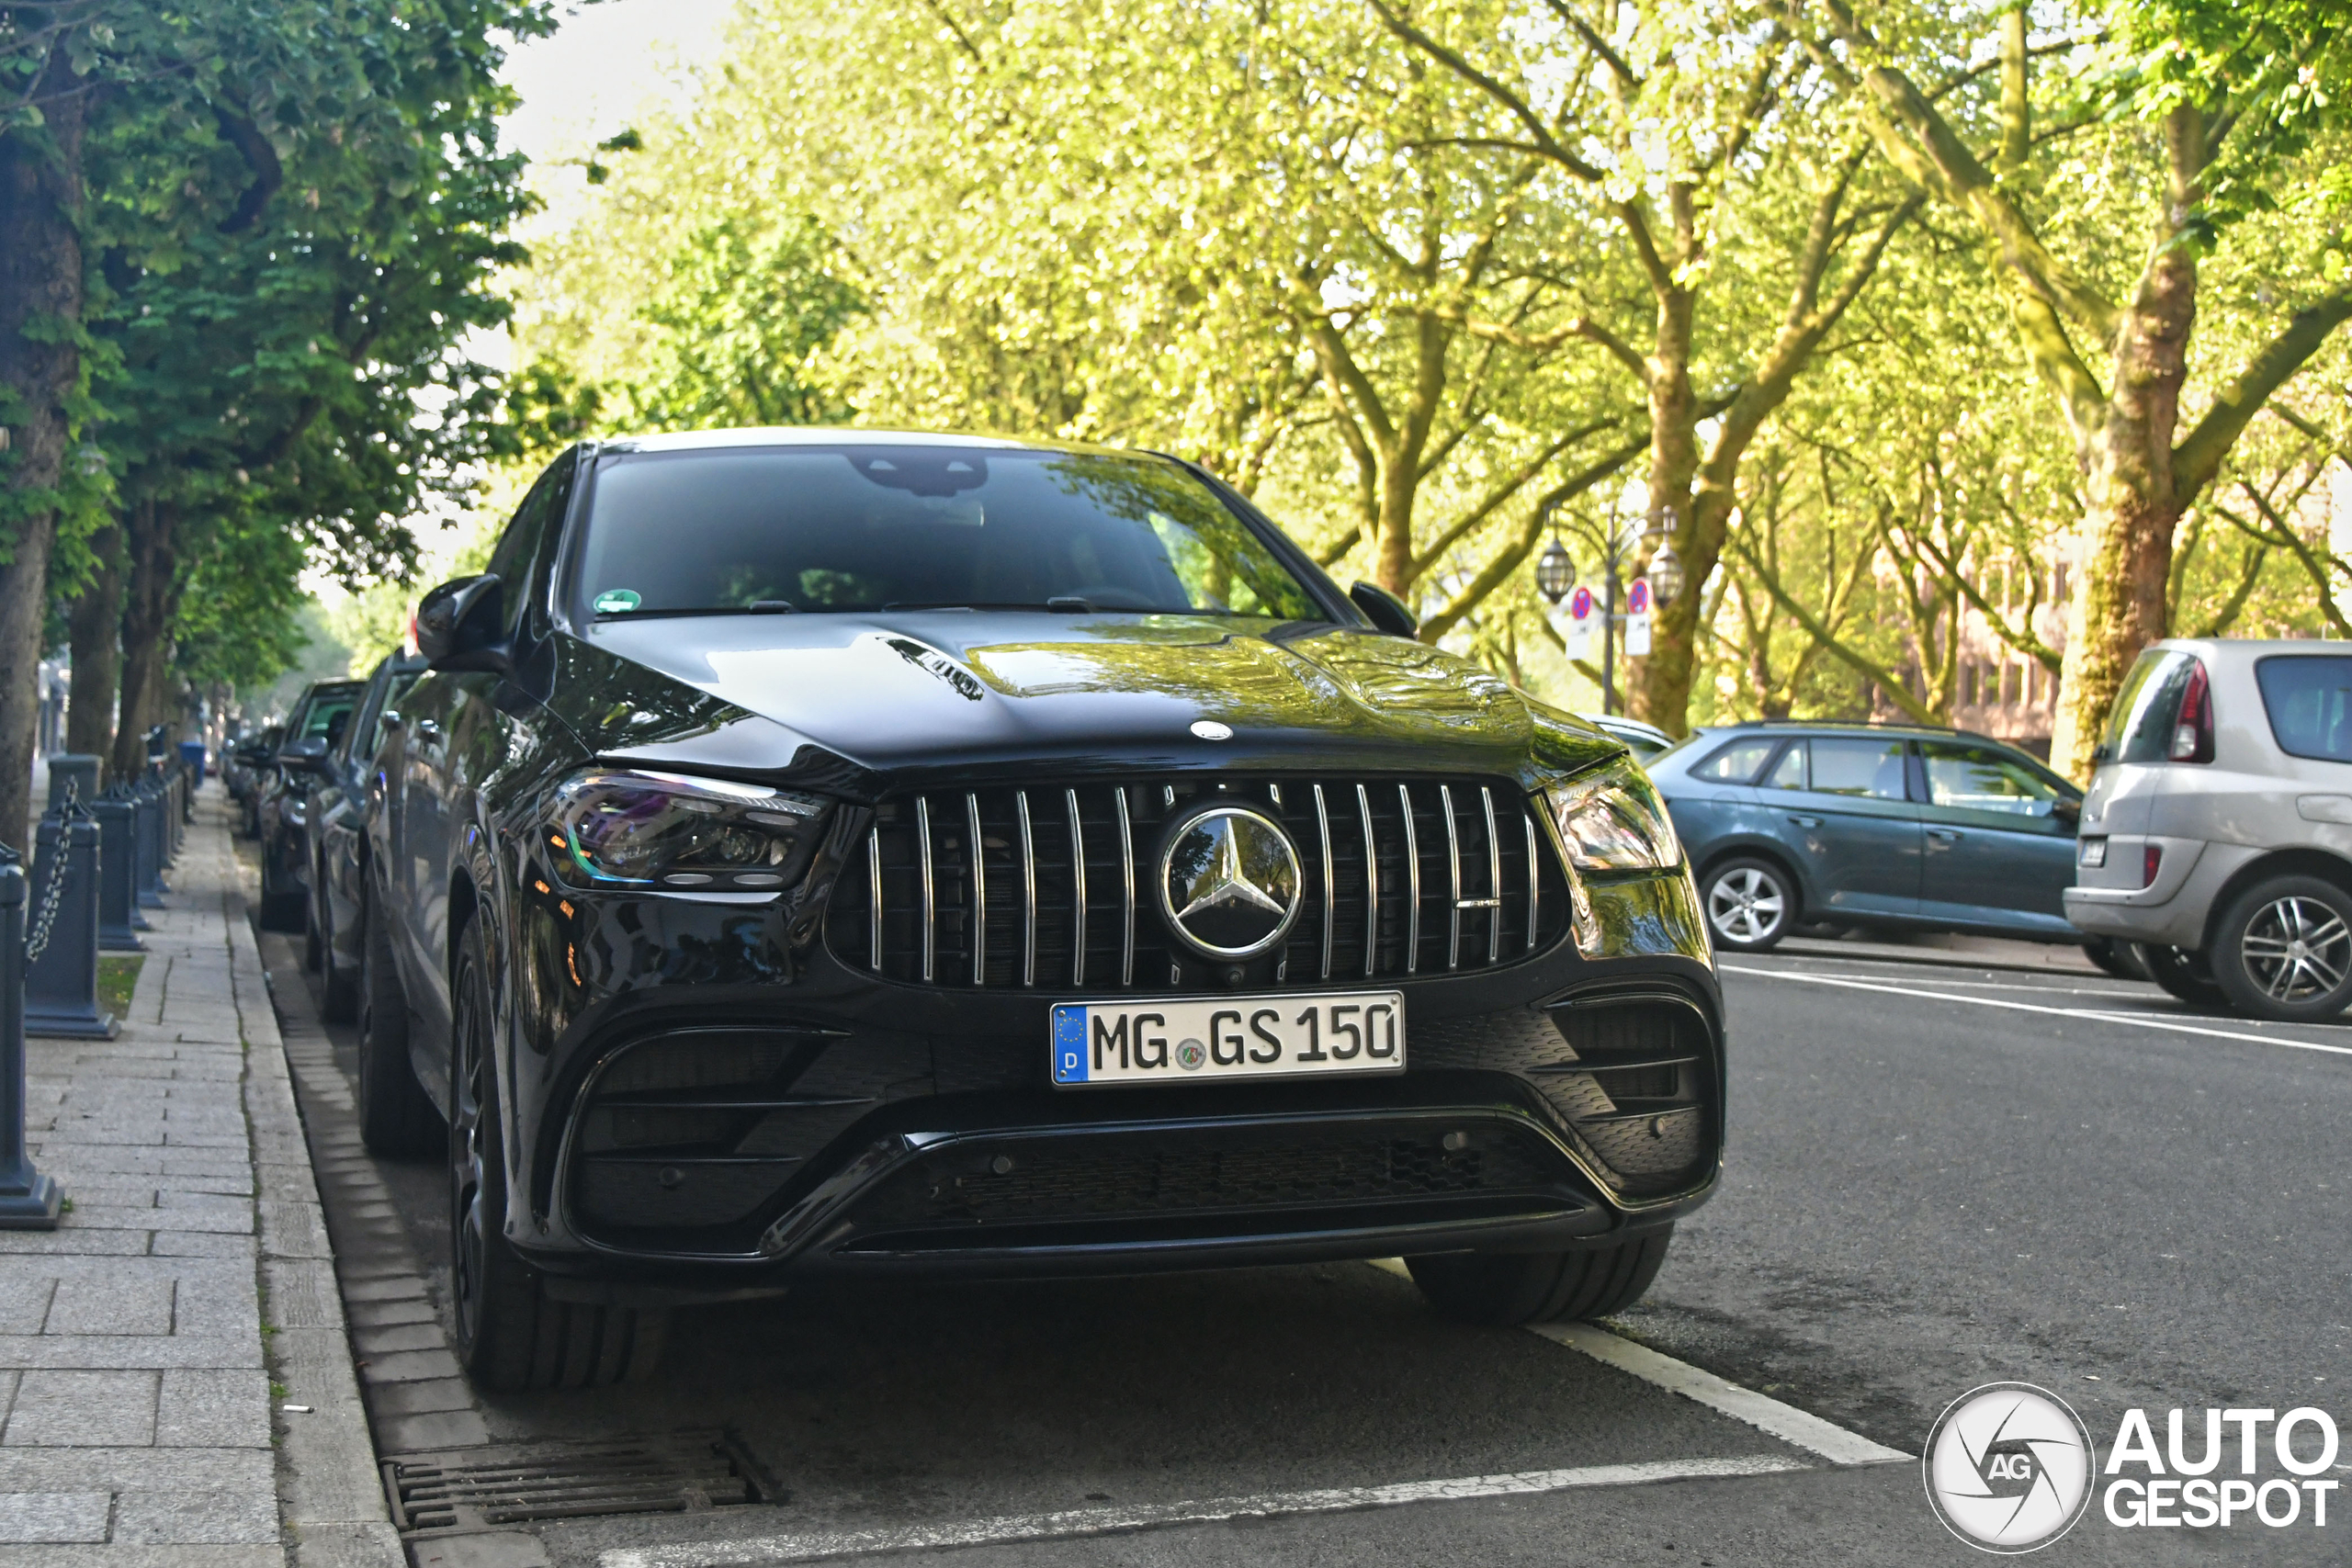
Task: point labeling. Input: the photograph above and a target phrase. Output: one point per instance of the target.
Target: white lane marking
(816, 1544)
(1786, 1422)
(2095, 1014)
(1797, 1427)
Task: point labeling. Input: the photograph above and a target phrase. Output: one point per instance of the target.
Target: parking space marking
(1796, 1428)
(2095, 1015)
(817, 1544)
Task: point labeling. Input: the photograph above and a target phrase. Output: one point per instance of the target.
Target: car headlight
(1612, 819)
(649, 829)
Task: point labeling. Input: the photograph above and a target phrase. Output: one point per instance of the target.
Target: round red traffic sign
(1637, 598)
(1580, 603)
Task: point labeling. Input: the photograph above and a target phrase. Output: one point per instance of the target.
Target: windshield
(816, 529)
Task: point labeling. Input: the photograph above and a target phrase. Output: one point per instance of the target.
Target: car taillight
(2152, 860)
(2192, 732)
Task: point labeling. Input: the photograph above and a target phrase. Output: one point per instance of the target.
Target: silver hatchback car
(2217, 829)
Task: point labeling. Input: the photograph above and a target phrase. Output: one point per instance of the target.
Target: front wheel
(1511, 1288)
(1750, 903)
(2283, 950)
(2182, 974)
(511, 1333)
(2115, 956)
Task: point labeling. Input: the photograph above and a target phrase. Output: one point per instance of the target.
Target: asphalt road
(1937, 1178)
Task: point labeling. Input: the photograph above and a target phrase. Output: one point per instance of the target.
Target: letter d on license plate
(1183, 1039)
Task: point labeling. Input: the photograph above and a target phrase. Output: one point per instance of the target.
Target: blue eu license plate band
(1069, 1045)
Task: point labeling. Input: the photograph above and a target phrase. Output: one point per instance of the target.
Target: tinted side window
(1737, 762)
(2309, 700)
(2139, 727)
(518, 548)
(1789, 772)
(1857, 766)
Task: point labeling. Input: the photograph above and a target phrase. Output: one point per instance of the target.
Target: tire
(2283, 950)
(339, 985)
(1750, 903)
(281, 909)
(397, 1118)
(1511, 1288)
(2181, 972)
(313, 940)
(2117, 957)
(511, 1333)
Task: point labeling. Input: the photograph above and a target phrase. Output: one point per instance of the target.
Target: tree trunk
(2119, 607)
(1657, 687)
(40, 289)
(96, 627)
(148, 607)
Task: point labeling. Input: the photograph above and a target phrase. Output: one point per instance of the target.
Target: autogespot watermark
(2009, 1468)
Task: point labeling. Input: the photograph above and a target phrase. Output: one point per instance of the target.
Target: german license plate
(1183, 1039)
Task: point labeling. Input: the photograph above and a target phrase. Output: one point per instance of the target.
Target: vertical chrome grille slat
(930, 893)
(1412, 885)
(1370, 885)
(1452, 879)
(1534, 880)
(1029, 890)
(979, 891)
(1077, 880)
(1494, 879)
(1127, 875)
(873, 893)
(1330, 886)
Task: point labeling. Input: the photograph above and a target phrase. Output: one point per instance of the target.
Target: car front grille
(1401, 877)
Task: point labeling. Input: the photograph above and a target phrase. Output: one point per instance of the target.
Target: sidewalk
(154, 1348)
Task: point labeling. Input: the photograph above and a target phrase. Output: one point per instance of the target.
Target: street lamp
(1554, 573)
(1665, 575)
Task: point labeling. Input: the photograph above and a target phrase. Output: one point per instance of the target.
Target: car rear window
(2140, 726)
(816, 529)
(2309, 699)
(1737, 762)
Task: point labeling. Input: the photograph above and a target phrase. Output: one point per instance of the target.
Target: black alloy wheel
(2182, 974)
(1508, 1289)
(339, 982)
(511, 1333)
(2283, 950)
(283, 908)
(397, 1118)
(1750, 903)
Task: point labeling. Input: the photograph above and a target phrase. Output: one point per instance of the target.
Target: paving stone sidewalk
(140, 1340)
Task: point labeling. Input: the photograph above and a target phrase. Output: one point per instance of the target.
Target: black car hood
(891, 694)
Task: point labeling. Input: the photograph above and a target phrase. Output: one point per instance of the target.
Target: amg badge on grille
(1229, 882)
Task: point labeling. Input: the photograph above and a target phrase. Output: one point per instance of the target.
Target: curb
(331, 1495)
(1946, 958)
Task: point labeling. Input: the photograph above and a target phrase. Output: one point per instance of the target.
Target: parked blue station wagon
(1848, 825)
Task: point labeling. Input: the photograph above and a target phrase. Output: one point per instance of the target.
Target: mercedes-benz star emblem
(1229, 882)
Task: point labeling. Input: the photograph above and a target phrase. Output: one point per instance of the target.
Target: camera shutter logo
(2008, 1467)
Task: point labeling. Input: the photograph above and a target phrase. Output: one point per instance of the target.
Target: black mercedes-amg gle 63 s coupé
(844, 853)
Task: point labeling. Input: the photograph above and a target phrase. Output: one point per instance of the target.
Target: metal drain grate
(473, 1489)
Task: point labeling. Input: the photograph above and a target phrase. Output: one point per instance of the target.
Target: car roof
(821, 436)
(2253, 647)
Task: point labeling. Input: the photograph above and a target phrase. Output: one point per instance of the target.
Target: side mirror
(306, 756)
(2070, 812)
(1386, 612)
(458, 625)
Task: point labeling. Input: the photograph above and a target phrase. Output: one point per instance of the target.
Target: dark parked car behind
(1877, 824)
(827, 854)
(249, 757)
(319, 716)
(335, 812)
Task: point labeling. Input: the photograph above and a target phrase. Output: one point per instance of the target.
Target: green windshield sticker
(616, 602)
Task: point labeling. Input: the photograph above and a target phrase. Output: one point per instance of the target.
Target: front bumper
(739, 1115)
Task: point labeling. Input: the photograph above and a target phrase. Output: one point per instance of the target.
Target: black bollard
(147, 846)
(74, 773)
(61, 939)
(29, 1200)
(119, 921)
